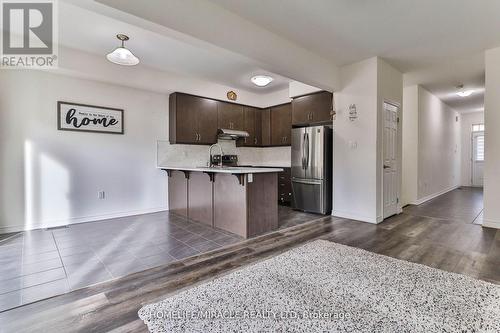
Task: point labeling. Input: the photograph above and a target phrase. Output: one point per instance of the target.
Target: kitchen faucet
(210, 155)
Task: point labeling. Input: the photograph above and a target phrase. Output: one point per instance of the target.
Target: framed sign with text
(89, 118)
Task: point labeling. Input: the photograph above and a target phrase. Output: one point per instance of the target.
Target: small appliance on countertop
(227, 160)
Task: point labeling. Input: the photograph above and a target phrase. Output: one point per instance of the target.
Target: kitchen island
(241, 200)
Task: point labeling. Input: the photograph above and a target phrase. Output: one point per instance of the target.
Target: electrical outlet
(101, 195)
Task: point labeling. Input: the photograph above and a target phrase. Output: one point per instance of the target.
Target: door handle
(304, 151)
(307, 148)
(386, 167)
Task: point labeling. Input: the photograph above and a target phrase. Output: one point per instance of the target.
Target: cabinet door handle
(255, 140)
(199, 137)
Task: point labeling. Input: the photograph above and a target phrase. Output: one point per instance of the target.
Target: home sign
(89, 118)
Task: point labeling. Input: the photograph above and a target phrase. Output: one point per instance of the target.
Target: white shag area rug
(328, 287)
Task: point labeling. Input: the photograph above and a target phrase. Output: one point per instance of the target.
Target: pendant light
(122, 55)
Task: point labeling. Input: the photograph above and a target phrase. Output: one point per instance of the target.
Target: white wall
(432, 141)
(296, 89)
(410, 146)
(389, 89)
(355, 143)
(438, 146)
(468, 119)
(492, 140)
(52, 177)
(358, 144)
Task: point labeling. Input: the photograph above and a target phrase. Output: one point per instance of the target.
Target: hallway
(464, 204)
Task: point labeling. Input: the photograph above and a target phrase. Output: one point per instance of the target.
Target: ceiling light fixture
(261, 80)
(464, 93)
(122, 55)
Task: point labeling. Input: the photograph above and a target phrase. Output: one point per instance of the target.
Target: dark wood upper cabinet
(313, 108)
(251, 125)
(258, 127)
(196, 120)
(193, 119)
(231, 116)
(281, 125)
(265, 126)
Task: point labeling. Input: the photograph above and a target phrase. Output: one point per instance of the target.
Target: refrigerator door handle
(306, 181)
(304, 151)
(307, 150)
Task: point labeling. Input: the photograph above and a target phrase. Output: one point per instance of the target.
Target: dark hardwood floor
(444, 243)
(462, 205)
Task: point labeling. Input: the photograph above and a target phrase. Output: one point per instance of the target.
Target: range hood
(230, 134)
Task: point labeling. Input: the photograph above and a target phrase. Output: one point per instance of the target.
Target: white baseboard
(491, 223)
(432, 196)
(75, 220)
(373, 220)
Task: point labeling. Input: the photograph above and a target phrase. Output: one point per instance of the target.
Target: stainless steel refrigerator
(312, 169)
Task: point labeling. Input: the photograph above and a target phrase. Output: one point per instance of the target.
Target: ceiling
(438, 44)
(412, 36)
(95, 33)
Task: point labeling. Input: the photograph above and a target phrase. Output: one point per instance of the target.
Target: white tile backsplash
(197, 155)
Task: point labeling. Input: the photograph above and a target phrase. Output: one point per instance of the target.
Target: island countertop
(230, 170)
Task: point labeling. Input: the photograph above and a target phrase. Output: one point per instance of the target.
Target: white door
(391, 168)
(477, 158)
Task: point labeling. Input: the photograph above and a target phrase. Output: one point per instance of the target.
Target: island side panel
(262, 204)
(178, 193)
(230, 204)
(200, 198)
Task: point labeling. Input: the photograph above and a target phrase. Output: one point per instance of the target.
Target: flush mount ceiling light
(122, 55)
(261, 80)
(462, 92)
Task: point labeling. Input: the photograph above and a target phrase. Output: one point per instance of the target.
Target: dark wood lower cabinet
(200, 198)
(245, 205)
(178, 193)
(285, 187)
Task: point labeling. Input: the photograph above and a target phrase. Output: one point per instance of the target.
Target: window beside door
(477, 154)
(478, 128)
